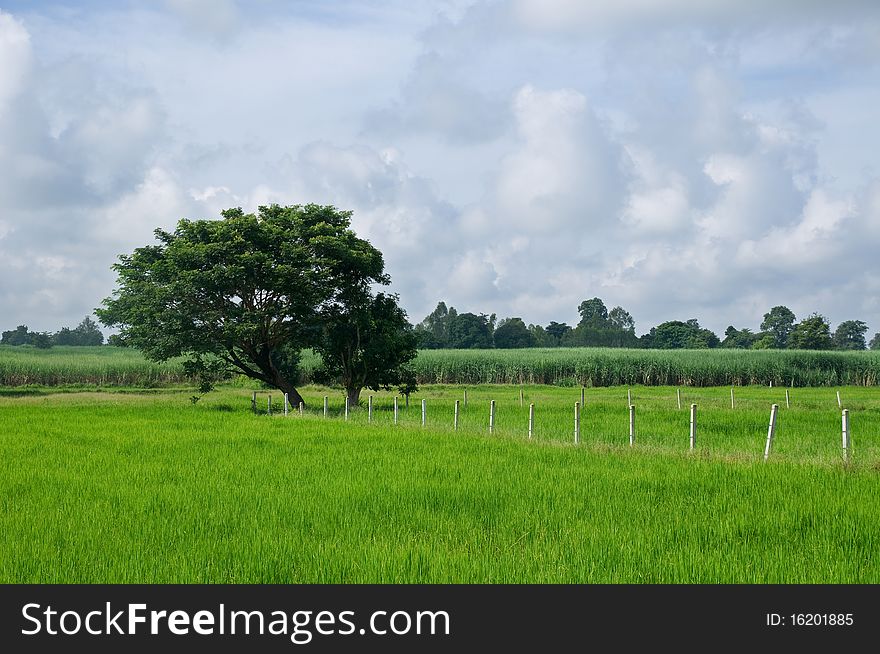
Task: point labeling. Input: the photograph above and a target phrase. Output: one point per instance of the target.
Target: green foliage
(850, 335)
(512, 333)
(812, 333)
(249, 289)
(741, 339)
(434, 330)
(470, 330)
(556, 331)
(593, 313)
(22, 336)
(779, 322)
(365, 344)
(680, 335)
(875, 342)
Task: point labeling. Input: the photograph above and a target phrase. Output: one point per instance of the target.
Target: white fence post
(424, 412)
(577, 423)
(455, 417)
(846, 434)
(346, 407)
(492, 416)
(787, 400)
(632, 424)
(771, 431)
(325, 406)
(301, 408)
(678, 396)
(732, 399)
(370, 409)
(285, 404)
(693, 426)
(839, 403)
(395, 409)
(531, 419)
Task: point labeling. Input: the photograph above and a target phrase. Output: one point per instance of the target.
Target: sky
(680, 158)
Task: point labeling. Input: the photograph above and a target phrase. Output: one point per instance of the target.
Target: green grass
(615, 366)
(84, 366)
(128, 488)
(111, 366)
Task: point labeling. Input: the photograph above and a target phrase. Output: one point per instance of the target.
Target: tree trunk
(354, 396)
(293, 395)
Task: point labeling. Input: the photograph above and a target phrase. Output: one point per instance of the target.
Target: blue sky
(681, 159)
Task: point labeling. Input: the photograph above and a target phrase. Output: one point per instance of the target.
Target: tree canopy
(246, 293)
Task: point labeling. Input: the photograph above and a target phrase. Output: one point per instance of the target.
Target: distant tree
(556, 331)
(470, 331)
(41, 340)
(434, 330)
(812, 333)
(875, 342)
(621, 319)
(593, 313)
(87, 333)
(539, 336)
(779, 322)
(740, 339)
(513, 333)
(850, 335)
(116, 341)
(64, 336)
(366, 344)
(677, 335)
(18, 336)
(764, 341)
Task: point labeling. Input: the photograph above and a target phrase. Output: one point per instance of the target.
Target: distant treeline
(445, 328)
(86, 333)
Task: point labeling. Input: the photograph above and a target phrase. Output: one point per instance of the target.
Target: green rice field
(123, 487)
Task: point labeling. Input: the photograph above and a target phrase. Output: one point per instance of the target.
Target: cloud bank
(681, 159)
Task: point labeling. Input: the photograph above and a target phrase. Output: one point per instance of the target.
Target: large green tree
(676, 334)
(513, 333)
(850, 335)
(779, 322)
(366, 343)
(811, 333)
(245, 293)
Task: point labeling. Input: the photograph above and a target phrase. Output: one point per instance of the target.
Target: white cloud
(681, 159)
